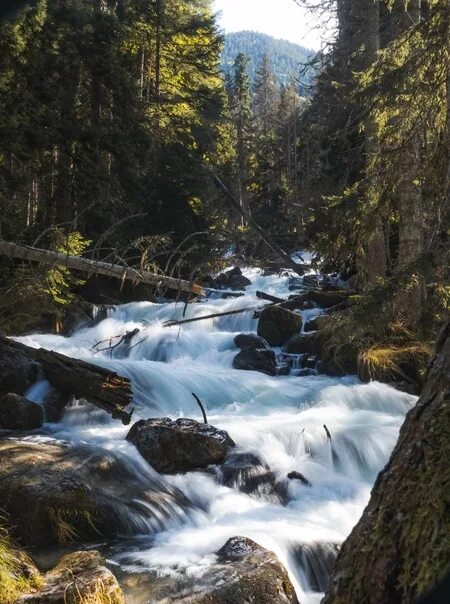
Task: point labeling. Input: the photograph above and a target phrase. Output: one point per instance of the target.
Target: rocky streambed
(251, 506)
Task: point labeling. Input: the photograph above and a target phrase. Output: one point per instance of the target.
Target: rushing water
(280, 419)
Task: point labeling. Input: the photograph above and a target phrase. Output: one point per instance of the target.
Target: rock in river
(56, 494)
(256, 360)
(244, 573)
(80, 577)
(250, 341)
(18, 413)
(277, 325)
(248, 473)
(179, 446)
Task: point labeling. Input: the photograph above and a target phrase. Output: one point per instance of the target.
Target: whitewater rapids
(280, 419)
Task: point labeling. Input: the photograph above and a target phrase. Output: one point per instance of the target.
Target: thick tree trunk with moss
(400, 547)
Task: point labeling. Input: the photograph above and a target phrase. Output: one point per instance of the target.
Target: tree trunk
(400, 547)
(409, 195)
(14, 250)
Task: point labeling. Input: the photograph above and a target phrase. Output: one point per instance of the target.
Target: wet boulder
(177, 446)
(17, 370)
(59, 494)
(276, 325)
(300, 343)
(78, 577)
(256, 360)
(311, 325)
(18, 413)
(250, 341)
(247, 473)
(244, 573)
(232, 279)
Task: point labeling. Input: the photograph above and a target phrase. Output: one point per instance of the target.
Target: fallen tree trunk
(287, 260)
(101, 387)
(85, 265)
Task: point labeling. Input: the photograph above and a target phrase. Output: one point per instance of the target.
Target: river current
(280, 419)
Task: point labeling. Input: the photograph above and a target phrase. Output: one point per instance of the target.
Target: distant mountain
(287, 59)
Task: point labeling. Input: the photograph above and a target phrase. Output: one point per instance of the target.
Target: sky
(279, 18)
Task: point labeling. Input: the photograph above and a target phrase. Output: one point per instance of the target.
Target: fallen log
(85, 265)
(174, 322)
(101, 387)
(269, 297)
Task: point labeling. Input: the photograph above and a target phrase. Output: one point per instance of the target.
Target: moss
(17, 573)
(389, 363)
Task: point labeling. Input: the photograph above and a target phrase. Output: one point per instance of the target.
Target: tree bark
(400, 547)
(23, 252)
(101, 387)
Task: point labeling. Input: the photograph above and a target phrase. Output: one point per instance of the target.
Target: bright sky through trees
(279, 18)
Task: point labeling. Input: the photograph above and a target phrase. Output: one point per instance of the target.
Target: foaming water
(280, 420)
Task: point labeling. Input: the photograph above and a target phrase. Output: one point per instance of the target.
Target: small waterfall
(277, 423)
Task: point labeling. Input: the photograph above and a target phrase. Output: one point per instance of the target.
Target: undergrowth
(16, 576)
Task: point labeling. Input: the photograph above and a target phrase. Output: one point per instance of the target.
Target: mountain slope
(287, 59)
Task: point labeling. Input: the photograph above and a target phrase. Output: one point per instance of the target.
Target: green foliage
(59, 281)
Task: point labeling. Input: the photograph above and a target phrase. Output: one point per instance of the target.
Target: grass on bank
(16, 571)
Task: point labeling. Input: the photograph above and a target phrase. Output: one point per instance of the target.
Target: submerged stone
(247, 473)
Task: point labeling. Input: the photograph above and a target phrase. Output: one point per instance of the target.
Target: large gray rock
(80, 577)
(250, 341)
(276, 325)
(256, 360)
(57, 494)
(179, 446)
(18, 413)
(245, 573)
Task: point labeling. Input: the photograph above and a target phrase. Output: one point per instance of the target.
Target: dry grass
(102, 595)
(15, 575)
(388, 363)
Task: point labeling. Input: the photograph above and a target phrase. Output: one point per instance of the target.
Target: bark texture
(401, 547)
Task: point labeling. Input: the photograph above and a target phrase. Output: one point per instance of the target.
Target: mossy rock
(78, 578)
